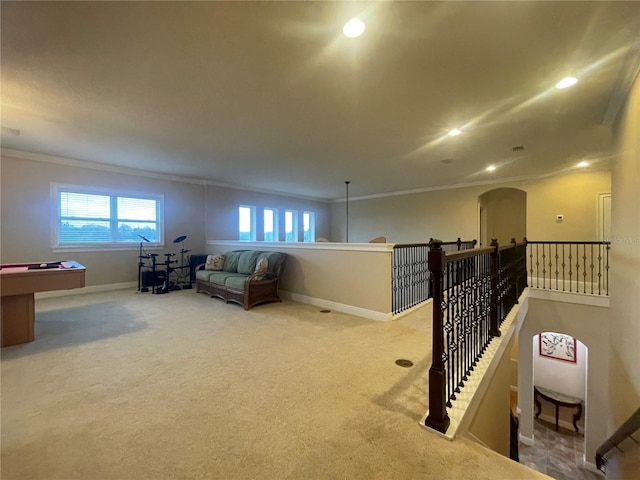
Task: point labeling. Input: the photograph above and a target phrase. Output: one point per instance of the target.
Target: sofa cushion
(203, 275)
(273, 259)
(220, 278)
(231, 261)
(236, 282)
(247, 261)
(214, 262)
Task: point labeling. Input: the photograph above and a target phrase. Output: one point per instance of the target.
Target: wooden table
(559, 400)
(18, 284)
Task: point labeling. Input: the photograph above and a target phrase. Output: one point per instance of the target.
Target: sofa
(247, 277)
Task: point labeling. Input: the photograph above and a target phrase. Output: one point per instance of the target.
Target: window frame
(312, 226)
(113, 194)
(252, 223)
(294, 226)
(275, 224)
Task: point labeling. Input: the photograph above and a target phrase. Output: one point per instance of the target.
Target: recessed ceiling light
(491, 168)
(454, 132)
(583, 164)
(566, 82)
(353, 28)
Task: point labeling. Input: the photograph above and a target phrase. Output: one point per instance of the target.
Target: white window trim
(252, 220)
(294, 225)
(276, 229)
(312, 225)
(107, 246)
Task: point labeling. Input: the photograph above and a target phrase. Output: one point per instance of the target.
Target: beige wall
(221, 210)
(190, 208)
(26, 207)
(452, 213)
(506, 215)
(352, 278)
(574, 196)
(624, 394)
(490, 422)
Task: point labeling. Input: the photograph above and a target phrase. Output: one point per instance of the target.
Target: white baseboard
(562, 423)
(93, 289)
(527, 440)
(340, 307)
(412, 309)
(568, 297)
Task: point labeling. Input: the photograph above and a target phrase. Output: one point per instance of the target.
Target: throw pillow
(261, 269)
(214, 262)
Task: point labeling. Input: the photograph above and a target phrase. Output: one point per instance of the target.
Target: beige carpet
(125, 386)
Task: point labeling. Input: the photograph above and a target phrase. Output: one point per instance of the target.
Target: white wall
(560, 376)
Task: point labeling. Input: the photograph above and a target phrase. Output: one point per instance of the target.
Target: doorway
(560, 364)
(502, 215)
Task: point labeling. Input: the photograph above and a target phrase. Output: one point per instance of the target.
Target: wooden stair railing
(626, 430)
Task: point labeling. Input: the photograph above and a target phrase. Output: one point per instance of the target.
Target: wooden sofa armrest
(199, 267)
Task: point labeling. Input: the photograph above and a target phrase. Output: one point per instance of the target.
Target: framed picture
(558, 346)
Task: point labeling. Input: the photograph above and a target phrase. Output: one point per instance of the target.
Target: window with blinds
(89, 218)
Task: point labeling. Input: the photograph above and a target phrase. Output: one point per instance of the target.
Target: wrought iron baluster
(592, 267)
(584, 268)
(607, 267)
(570, 269)
(556, 265)
(564, 275)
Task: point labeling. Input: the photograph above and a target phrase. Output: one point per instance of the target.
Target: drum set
(163, 277)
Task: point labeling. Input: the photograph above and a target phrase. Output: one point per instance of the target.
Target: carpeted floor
(122, 385)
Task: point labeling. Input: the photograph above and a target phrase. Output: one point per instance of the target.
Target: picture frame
(557, 346)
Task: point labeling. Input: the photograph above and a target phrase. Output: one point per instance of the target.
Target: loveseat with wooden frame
(235, 279)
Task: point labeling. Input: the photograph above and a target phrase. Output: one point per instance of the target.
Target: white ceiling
(271, 96)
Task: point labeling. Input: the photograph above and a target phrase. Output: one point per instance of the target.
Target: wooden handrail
(567, 242)
(626, 429)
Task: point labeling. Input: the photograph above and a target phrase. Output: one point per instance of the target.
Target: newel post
(438, 419)
(494, 322)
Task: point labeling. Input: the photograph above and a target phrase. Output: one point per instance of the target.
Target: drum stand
(166, 288)
(180, 282)
(158, 279)
(141, 264)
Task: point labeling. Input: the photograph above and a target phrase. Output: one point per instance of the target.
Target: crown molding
(69, 162)
(41, 157)
(459, 185)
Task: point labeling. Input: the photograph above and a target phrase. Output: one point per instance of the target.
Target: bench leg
(576, 417)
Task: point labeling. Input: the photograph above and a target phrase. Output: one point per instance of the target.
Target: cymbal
(180, 239)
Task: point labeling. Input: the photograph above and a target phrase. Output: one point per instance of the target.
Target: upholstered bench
(247, 277)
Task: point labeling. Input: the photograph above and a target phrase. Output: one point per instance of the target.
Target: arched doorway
(559, 365)
(502, 215)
